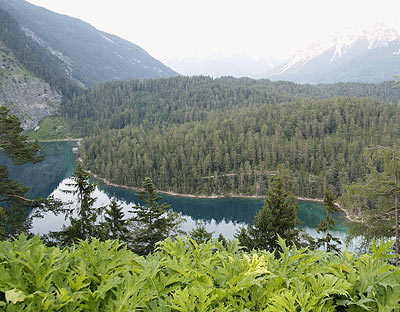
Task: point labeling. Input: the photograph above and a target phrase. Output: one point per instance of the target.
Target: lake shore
(57, 140)
(316, 200)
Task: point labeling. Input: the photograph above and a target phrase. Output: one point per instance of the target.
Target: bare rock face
(28, 97)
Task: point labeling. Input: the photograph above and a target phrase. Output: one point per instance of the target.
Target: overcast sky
(173, 28)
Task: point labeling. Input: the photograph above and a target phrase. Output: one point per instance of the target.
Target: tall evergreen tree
(84, 225)
(376, 197)
(17, 211)
(278, 217)
(152, 222)
(329, 242)
(115, 225)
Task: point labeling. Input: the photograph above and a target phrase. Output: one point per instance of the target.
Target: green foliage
(183, 276)
(14, 205)
(375, 197)
(13, 142)
(200, 234)
(115, 225)
(51, 128)
(225, 136)
(277, 218)
(151, 221)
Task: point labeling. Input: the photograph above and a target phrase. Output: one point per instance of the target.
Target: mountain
(29, 84)
(367, 55)
(218, 65)
(90, 56)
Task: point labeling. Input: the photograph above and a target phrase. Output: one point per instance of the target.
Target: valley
(199, 156)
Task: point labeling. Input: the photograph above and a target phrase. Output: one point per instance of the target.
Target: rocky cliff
(28, 97)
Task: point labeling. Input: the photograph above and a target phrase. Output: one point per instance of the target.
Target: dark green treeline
(228, 136)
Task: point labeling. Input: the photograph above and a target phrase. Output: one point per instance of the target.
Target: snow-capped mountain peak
(362, 55)
(378, 36)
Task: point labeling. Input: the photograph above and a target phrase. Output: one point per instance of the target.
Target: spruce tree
(152, 222)
(115, 225)
(84, 225)
(329, 242)
(277, 217)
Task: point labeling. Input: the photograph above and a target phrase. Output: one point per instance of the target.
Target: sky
(259, 28)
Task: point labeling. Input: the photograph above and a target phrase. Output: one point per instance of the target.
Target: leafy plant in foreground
(182, 275)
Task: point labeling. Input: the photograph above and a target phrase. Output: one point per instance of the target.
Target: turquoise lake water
(222, 215)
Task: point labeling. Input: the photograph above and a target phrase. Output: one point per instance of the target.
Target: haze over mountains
(356, 55)
(218, 65)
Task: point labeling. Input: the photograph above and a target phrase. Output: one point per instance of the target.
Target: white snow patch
(381, 36)
(378, 36)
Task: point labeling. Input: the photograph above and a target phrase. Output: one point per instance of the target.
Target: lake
(221, 216)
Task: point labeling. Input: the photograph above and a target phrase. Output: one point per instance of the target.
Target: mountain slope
(356, 56)
(27, 96)
(28, 85)
(90, 56)
(217, 65)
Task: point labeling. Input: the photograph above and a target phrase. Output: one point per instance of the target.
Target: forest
(228, 136)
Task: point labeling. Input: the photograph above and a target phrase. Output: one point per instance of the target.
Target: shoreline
(57, 140)
(108, 183)
(347, 216)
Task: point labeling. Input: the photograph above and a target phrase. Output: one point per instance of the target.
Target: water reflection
(222, 216)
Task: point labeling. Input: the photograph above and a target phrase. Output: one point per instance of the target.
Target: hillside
(89, 56)
(206, 136)
(25, 91)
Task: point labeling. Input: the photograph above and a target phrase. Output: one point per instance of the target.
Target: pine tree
(152, 222)
(14, 206)
(115, 225)
(331, 243)
(278, 217)
(200, 234)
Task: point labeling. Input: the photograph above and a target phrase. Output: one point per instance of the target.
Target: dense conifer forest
(228, 136)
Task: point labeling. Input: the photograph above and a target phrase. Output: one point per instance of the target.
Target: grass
(51, 128)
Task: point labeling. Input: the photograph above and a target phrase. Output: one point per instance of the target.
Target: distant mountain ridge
(90, 56)
(218, 65)
(359, 55)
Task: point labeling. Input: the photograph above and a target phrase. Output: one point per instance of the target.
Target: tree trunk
(396, 220)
